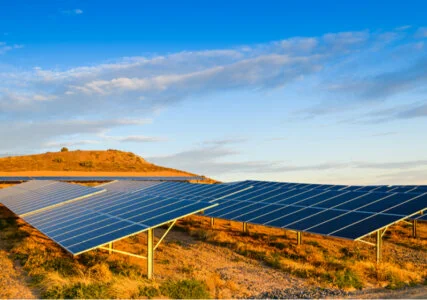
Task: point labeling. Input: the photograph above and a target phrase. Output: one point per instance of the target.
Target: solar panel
(326, 210)
(129, 186)
(38, 195)
(100, 219)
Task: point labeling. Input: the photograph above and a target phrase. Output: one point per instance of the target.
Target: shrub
(86, 164)
(185, 289)
(125, 269)
(58, 160)
(347, 279)
(64, 149)
(278, 245)
(273, 260)
(78, 291)
(148, 291)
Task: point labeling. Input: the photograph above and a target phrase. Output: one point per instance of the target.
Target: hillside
(78, 163)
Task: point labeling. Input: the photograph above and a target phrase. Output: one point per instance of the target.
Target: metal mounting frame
(150, 248)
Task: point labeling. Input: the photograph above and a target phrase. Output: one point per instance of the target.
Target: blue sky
(302, 91)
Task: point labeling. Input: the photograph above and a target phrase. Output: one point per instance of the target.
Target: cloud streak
(213, 160)
(72, 12)
(4, 47)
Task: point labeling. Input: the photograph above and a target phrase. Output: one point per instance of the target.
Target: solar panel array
(341, 211)
(91, 217)
(99, 178)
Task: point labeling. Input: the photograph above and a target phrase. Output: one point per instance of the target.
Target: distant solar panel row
(368, 188)
(346, 213)
(130, 186)
(98, 178)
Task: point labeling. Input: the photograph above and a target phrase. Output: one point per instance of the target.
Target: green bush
(64, 149)
(273, 260)
(78, 291)
(58, 160)
(148, 291)
(125, 269)
(394, 282)
(185, 289)
(278, 245)
(347, 278)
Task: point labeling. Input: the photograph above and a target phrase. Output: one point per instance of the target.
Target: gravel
(295, 293)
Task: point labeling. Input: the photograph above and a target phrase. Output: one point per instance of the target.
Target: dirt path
(418, 292)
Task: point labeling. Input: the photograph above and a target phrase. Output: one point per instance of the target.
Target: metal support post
(299, 237)
(379, 246)
(212, 222)
(245, 227)
(150, 255)
(414, 228)
(110, 248)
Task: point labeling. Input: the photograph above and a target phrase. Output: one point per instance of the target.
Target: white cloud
(213, 161)
(43, 134)
(134, 139)
(76, 11)
(4, 47)
(421, 32)
(70, 143)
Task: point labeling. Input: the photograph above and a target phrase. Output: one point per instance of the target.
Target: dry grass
(325, 261)
(83, 161)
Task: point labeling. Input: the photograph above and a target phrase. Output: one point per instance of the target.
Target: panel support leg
(150, 253)
(299, 237)
(414, 228)
(379, 246)
(212, 222)
(245, 227)
(110, 248)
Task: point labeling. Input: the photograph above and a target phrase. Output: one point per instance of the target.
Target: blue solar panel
(329, 225)
(130, 186)
(82, 225)
(40, 196)
(322, 209)
(365, 226)
(314, 219)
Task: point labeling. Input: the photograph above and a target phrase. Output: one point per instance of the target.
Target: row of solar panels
(359, 188)
(328, 210)
(98, 178)
(82, 218)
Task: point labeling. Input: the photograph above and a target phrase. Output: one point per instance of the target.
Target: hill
(80, 163)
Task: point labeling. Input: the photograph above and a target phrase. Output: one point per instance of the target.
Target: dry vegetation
(83, 161)
(197, 261)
